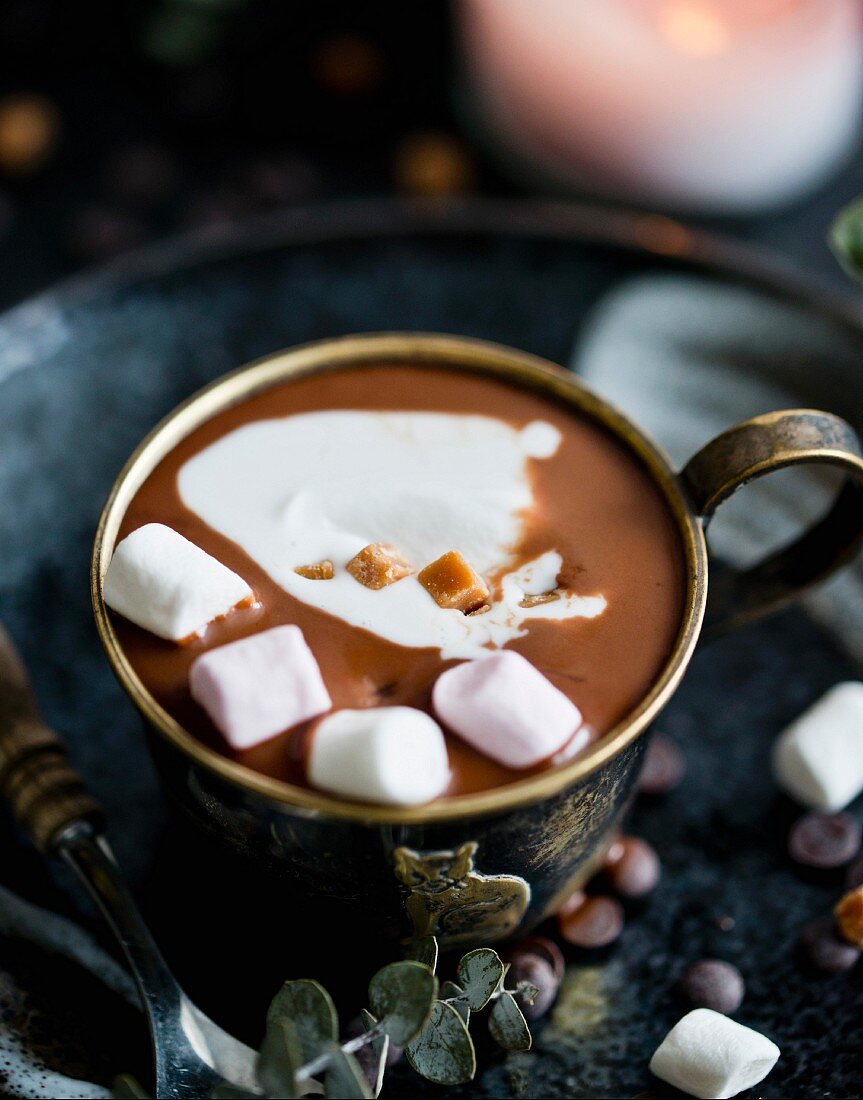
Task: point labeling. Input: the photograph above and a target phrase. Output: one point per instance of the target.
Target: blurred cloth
(686, 357)
(68, 1010)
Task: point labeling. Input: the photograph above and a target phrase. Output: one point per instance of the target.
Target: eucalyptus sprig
(407, 1008)
(301, 1053)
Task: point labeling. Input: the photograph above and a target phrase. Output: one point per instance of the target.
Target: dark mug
(477, 868)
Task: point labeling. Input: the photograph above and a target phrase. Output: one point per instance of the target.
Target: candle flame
(693, 29)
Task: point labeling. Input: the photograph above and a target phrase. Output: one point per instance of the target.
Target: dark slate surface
(86, 370)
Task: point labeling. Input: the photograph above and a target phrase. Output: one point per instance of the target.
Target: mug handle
(749, 450)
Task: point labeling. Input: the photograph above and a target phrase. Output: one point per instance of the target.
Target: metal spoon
(190, 1052)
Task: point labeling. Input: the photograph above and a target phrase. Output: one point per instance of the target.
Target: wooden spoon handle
(43, 791)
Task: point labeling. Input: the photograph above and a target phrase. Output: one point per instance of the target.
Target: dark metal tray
(87, 368)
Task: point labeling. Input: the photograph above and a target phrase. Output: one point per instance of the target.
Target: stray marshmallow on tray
(712, 1057)
(394, 756)
(505, 708)
(162, 582)
(259, 686)
(818, 760)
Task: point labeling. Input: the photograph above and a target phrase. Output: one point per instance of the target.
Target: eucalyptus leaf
(127, 1087)
(423, 951)
(378, 1049)
(279, 1059)
(507, 1025)
(401, 996)
(480, 973)
(846, 238)
(450, 990)
(528, 992)
(312, 1013)
(344, 1079)
(443, 1051)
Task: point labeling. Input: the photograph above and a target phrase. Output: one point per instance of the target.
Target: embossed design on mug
(447, 898)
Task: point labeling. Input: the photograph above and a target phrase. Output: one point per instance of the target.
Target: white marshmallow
(712, 1057)
(505, 708)
(168, 585)
(395, 756)
(819, 758)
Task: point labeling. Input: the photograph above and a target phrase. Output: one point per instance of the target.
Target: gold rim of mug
(354, 352)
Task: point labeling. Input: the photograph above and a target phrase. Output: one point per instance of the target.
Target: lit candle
(722, 105)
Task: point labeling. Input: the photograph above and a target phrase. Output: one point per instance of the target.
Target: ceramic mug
(476, 868)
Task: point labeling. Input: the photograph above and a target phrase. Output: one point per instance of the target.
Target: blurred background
(122, 123)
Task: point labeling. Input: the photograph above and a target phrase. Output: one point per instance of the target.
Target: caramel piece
(480, 610)
(849, 916)
(542, 597)
(317, 571)
(378, 565)
(451, 582)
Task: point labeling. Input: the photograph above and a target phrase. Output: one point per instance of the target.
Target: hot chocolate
(412, 520)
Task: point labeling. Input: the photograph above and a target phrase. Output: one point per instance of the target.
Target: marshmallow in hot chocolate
(259, 686)
(168, 585)
(394, 756)
(506, 709)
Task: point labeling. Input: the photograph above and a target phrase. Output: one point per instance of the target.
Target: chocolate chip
(539, 972)
(543, 946)
(714, 984)
(825, 949)
(663, 768)
(595, 923)
(632, 867)
(824, 840)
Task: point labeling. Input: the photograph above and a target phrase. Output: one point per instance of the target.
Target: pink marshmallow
(506, 709)
(259, 686)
